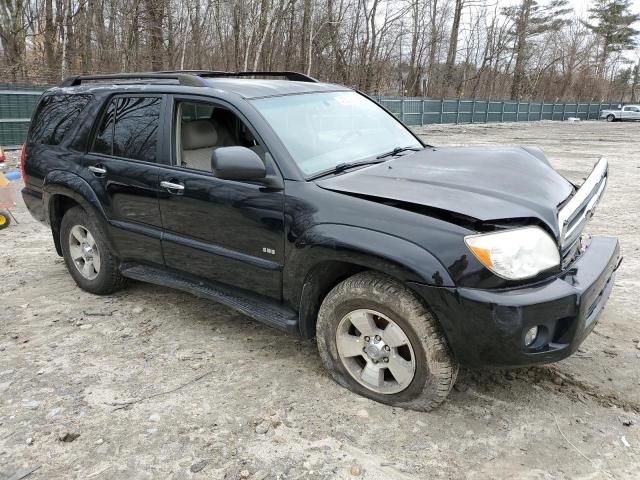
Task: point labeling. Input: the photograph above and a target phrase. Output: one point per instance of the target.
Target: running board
(259, 308)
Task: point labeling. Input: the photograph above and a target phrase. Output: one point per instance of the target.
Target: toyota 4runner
(311, 208)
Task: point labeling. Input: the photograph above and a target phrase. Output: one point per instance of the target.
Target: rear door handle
(173, 187)
(98, 170)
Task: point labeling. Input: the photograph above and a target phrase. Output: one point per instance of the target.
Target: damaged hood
(481, 182)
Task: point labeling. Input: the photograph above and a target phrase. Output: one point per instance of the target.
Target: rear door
(226, 231)
(122, 167)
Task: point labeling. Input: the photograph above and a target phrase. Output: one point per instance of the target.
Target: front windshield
(322, 130)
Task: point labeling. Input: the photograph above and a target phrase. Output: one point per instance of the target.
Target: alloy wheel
(375, 351)
(84, 252)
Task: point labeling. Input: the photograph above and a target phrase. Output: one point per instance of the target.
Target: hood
(480, 182)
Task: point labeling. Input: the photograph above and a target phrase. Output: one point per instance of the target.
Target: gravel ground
(153, 383)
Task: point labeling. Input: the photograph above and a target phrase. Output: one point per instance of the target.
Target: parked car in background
(628, 112)
(311, 208)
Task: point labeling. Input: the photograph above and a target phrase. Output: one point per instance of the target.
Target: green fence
(424, 111)
(17, 104)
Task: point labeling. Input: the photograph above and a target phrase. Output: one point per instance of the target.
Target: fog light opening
(531, 336)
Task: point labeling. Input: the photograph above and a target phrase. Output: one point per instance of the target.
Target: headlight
(515, 254)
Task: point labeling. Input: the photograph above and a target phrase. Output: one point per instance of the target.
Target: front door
(222, 230)
(122, 168)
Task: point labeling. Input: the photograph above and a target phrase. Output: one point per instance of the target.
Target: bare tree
(415, 47)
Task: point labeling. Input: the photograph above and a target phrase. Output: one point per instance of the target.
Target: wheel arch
(331, 253)
(63, 191)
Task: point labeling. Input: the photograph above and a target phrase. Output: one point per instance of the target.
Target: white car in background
(628, 112)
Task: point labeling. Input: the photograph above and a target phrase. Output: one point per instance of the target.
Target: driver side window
(203, 127)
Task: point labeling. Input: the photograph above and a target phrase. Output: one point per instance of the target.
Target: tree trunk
(453, 46)
(521, 49)
(50, 41)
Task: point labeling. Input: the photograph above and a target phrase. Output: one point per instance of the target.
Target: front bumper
(487, 328)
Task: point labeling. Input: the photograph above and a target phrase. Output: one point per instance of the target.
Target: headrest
(198, 134)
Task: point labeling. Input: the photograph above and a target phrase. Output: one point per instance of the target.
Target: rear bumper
(487, 328)
(33, 201)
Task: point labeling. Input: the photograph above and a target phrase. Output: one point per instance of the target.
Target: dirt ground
(153, 383)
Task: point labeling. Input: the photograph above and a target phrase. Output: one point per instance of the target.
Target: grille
(573, 216)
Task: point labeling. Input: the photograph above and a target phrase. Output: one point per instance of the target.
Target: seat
(199, 138)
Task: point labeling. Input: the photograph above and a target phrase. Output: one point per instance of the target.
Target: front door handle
(98, 170)
(173, 187)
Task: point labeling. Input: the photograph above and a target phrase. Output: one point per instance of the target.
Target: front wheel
(87, 255)
(611, 118)
(376, 338)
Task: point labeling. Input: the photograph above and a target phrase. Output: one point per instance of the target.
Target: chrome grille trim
(580, 208)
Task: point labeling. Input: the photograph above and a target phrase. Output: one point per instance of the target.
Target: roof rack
(293, 76)
(191, 72)
(186, 79)
(191, 78)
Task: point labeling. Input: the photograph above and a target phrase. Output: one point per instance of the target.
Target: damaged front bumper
(487, 328)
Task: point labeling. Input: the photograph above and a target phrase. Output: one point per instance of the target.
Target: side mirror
(237, 163)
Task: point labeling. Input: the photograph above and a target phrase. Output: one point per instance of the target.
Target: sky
(583, 5)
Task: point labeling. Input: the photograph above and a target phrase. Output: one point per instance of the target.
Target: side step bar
(264, 310)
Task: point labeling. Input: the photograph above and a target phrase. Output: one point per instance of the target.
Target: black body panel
(222, 230)
(128, 192)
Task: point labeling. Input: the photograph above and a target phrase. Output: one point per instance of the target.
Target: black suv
(309, 207)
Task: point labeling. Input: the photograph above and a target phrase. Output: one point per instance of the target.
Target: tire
(611, 118)
(377, 297)
(101, 276)
(5, 219)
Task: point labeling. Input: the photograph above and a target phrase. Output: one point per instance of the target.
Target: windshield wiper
(398, 150)
(341, 167)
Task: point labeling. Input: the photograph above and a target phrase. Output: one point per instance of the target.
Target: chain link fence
(17, 103)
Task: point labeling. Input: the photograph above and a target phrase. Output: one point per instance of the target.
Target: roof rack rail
(191, 78)
(293, 76)
(183, 78)
(191, 72)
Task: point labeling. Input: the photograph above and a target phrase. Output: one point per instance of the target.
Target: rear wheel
(377, 339)
(5, 219)
(86, 254)
(611, 118)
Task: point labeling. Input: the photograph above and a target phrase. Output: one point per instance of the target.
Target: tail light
(23, 157)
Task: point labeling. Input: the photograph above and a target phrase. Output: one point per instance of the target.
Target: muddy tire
(86, 254)
(5, 219)
(611, 118)
(376, 338)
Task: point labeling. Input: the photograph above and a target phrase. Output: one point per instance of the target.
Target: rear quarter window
(55, 116)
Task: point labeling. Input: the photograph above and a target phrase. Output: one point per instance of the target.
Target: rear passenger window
(104, 136)
(55, 115)
(129, 128)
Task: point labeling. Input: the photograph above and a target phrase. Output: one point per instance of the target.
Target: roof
(257, 88)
